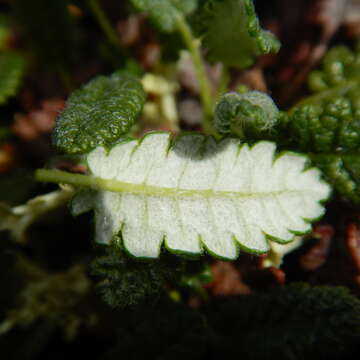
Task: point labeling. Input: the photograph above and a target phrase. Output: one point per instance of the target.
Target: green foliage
(327, 125)
(251, 115)
(99, 113)
(48, 29)
(293, 322)
(339, 66)
(232, 33)
(12, 69)
(164, 13)
(331, 133)
(172, 199)
(196, 276)
(4, 31)
(126, 282)
(169, 332)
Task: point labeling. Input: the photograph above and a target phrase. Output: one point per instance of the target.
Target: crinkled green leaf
(330, 133)
(12, 69)
(126, 282)
(99, 113)
(332, 126)
(342, 171)
(339, 65)
(194, 194)
(165, 12)
(247, 115)
(327, 124)
(232, 33)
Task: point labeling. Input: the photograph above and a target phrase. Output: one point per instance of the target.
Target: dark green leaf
(99, 113)
(232, 33)
(126, 282)
(326, 125)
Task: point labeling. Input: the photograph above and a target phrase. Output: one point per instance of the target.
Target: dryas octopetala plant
(219, 191)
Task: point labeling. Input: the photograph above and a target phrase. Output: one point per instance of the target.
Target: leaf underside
(194, 194)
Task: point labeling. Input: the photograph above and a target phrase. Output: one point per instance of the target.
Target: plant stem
(104, 22)
(205, 87)
(224, 80)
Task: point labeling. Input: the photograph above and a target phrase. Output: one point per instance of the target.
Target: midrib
(97, 183)
(149, 190)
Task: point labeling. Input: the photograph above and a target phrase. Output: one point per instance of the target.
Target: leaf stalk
(193, 46)
(104, 22)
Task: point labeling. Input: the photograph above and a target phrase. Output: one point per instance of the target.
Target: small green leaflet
(165, 12)
(99, 113)
(192, 194)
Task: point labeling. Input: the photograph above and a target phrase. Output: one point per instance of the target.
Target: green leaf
(250, 115)
(194, 194)
(165, 12)
(342, 171)
(297, 321)
(327, 124)
(332, 126)
(48, 30)
(330, 133)
(99, 113)
(232, 33)
(126, 282)
(339, 65)
(12, 69)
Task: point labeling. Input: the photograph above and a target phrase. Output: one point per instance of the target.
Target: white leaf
(194, 194)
